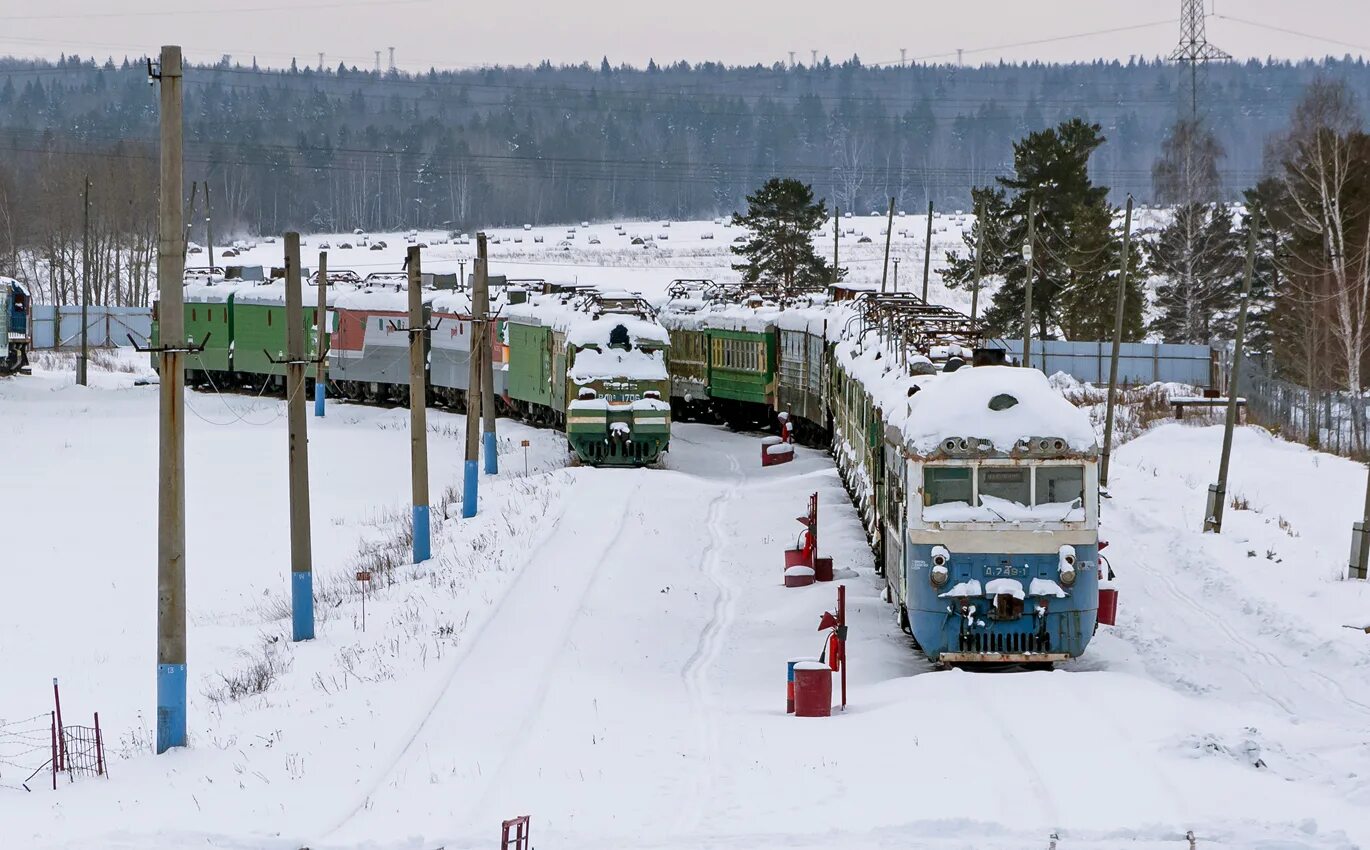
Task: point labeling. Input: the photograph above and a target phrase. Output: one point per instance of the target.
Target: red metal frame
(806, 553)
(518, 840)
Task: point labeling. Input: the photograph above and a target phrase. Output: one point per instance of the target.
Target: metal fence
(1138, 362)
(60, 326)
(1326, 419)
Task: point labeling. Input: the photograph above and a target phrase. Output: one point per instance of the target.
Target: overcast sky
(461, 33)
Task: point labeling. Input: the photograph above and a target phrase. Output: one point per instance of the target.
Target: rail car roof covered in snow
(272, 293)
(580, 327)
(1001, 404)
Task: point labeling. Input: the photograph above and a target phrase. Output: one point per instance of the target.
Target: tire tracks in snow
(695, 673)
(366, 796)
(552, 661)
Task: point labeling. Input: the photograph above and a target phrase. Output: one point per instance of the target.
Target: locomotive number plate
(1006, 571)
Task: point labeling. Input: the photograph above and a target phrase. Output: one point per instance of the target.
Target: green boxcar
(742, 366)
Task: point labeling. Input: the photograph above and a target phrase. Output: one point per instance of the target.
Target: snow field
(615, 660)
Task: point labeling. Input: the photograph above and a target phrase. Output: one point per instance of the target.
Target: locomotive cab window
(945, 484)
(1060, 485)
(1011, 483)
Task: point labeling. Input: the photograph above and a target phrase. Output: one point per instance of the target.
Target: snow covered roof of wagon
(384, 297)
(691, 314)
(210, 290)
(1001, 404)
(272, 293)
(633, 364)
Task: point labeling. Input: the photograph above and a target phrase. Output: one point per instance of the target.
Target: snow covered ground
(684, 249)
(604, 650)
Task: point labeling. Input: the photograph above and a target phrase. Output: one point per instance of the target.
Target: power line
(1288, 31)
(225, 10)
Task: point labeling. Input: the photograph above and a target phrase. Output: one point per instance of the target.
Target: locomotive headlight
(1065, 567)
(941, 560)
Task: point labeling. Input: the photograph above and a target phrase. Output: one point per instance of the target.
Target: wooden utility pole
(836, 225)
(209, 225)
(171, 536)
(321, 337)
(418, 406)
(1117, 345)
(301, 559)
(927, 253)
(1217, 493)
(889, 231)
(83, 365)
(471, 484)
(1029, 252)
(979, 252)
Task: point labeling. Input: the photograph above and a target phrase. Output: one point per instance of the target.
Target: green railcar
(259, 329)
(208, 318)
(742, 367)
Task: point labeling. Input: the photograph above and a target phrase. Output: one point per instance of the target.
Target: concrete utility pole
(979, 252)
(895, 284)
(1217, 493)
(301, 558)
(836, 226)
(1117, 345)
(1028, 251)
(903, 56)
(813, 58)
(209, 225)
(470, 492)
(83, 365)
(889, 231)
(927, 253)
(321, 337)
(171, 534)
(418, 406)
(392, 59)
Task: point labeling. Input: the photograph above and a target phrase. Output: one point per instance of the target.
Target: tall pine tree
(1076, 253)
(782, 218)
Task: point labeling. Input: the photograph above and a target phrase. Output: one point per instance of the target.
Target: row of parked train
(591, 363)
(976, 482)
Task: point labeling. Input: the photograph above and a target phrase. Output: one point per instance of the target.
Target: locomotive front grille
(1004, 642)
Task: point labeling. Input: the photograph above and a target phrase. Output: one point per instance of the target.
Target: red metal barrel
(822, 569)
(812, 689)
(789, 682)
(799, 576)
(1108, 606)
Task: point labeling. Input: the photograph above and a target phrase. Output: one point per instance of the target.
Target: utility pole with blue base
(301, 557)
(479, 307)
(171, 507)
(418, 407)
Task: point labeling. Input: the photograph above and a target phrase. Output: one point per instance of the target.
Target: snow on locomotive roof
(1002, 404)
(633, 364)
(582, 328)
(9, 281)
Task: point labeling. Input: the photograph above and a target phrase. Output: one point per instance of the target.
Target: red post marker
(842, 636)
